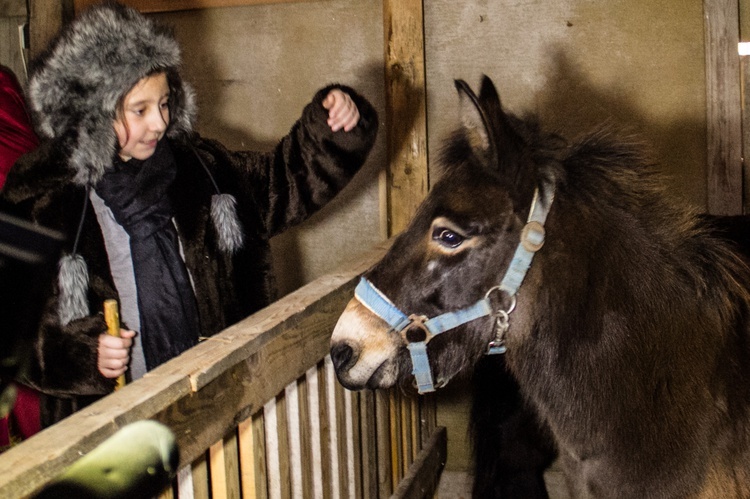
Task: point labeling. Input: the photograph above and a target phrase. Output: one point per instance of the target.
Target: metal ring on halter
(512, 299)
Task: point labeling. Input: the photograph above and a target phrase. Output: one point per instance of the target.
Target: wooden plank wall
(406, 120)
(724, 108)
(12, 15)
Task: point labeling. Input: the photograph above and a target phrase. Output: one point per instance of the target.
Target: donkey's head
(452, 257)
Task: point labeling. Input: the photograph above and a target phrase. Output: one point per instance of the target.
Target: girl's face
(143, 118)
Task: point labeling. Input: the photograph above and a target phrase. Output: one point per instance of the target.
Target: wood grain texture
(724, 109)
(406, 115)
(422, 479)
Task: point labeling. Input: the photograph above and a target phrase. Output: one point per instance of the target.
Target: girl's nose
(159, 121)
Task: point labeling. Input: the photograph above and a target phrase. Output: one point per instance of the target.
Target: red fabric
(25, 414)
(16, 138)
(26, 411)
(4, 433)
(16, 134)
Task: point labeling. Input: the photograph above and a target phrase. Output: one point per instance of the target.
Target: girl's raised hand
(342, 111)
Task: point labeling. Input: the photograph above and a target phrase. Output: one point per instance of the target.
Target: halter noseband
(532, 239)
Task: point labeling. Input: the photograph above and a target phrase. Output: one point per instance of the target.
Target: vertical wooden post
(46, 19)
(406, 112)
(723, 107)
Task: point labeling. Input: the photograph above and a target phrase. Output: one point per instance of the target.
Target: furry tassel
(226, 223)
(73, 282)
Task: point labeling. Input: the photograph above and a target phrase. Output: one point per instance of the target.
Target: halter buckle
(416, 321)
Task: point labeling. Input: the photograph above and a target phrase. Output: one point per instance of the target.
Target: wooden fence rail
(257, 412)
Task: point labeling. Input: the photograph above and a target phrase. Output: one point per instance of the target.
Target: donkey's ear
(475, 121)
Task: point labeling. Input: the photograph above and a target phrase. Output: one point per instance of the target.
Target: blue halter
(532, 239)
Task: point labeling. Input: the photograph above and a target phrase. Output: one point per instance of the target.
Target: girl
(172, 225)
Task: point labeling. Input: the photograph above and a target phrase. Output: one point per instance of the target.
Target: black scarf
(137, 194)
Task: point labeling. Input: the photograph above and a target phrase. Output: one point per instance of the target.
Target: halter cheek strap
(532, 239)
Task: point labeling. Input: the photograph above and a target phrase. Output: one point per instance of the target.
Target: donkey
(621, 314)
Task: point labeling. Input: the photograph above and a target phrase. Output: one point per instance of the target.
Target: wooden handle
(112, 318)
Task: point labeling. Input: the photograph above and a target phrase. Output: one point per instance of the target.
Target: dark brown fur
(630, 338)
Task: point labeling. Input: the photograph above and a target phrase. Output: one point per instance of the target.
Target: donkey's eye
(447, 237)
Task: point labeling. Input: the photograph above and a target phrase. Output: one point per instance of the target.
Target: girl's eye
(165, 105)
(447, 237)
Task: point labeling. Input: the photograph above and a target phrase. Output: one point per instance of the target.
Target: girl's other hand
(114, 353)
(342, 111)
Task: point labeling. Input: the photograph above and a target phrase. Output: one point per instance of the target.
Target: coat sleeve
(306, 169)
(65, 359)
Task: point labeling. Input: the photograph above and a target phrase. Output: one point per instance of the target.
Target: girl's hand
(342, 111)
(114, 353)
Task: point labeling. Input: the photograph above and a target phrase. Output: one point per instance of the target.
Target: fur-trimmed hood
(75, 86)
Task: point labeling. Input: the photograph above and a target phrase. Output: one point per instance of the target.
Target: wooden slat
(383, 426)
(200, 478)
(416, 436)
(326, 450)
(340, 430)
(246, 444)
(316, 432)
(333, 428)
(232, 466)
(396, 451)
(368, 441)
(273, 452)
(218, 470)
(406, 432)
(261, 461)
(406, 110)
(356, 439)
(428, 412)
(724, 133)
(306, 453)
(424, 475)
(282, 437)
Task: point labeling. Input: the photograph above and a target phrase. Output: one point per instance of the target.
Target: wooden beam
(47, 17)
(406, 111)
(723, 108)
(424, 475)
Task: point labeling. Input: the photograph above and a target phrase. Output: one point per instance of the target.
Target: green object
(137, 461)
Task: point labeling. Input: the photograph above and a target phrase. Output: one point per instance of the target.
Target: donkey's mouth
(381, 378)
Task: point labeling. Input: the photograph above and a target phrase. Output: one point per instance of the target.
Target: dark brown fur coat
(274, 191)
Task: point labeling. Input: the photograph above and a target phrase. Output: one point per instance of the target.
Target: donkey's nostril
(341, 355)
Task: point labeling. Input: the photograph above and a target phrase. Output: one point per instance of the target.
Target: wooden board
(423, 477)
(407, 179)
(723, 108)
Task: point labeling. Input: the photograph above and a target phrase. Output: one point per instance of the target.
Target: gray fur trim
(100, 56)
(73, 282)
(227, 224)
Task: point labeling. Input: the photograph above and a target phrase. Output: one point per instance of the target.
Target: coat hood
(75, 86)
